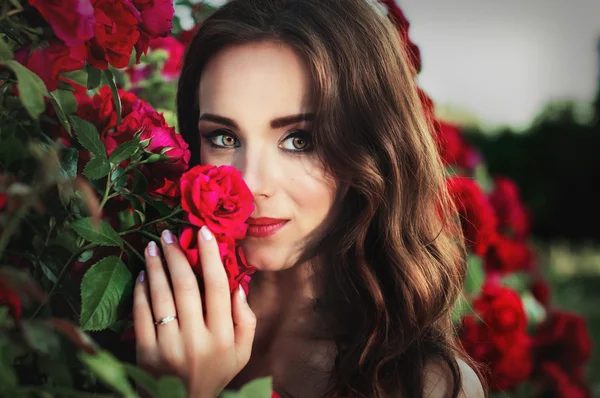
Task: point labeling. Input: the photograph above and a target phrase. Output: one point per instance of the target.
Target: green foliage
(31, 88)
(104, 290)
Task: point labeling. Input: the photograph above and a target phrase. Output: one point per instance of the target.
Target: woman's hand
(206, 352)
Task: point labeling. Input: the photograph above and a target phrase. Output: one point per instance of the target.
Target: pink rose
(172, 67)
(157, 17)
(139, 116)
(71, 20)
(217, 197)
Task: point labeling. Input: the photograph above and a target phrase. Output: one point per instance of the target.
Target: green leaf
(113, 87)
(140, 184)
(31, 88)
(518, 281)
(78, 76)
(5, 51)
(104, 292)
(483, 178)
(67, 101)
(94, 77)
(536, 313)
(103, 235)
(96, 168)
(62, 117)
(110, 371)
(8, 376)
(142, 379)
(41, 337)
(68, 161)
(171, 387)
(258, 388)
(475, 275)
(12, 150)
(88, 136)
(124, 151)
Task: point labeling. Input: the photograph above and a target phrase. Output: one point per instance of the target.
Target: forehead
(255, 77)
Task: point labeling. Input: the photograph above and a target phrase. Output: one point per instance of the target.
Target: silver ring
(166, 319)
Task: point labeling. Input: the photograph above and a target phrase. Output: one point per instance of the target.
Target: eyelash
(208, 138)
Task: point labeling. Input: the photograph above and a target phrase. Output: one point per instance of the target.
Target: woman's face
(255, 111)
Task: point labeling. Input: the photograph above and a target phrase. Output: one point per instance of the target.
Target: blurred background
(521, 79)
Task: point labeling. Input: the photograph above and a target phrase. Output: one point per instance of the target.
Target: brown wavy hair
(395, 258)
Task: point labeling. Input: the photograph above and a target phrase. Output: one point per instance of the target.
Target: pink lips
(264, 226)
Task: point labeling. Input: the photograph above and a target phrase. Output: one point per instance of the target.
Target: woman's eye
(223, 140)
(297, 142)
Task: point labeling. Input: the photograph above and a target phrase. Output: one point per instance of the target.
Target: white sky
(503, 60)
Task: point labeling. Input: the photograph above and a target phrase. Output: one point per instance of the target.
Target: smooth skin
(206, 352)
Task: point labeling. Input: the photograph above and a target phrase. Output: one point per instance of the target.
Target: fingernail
(206, 234)
(141, 277)
(242, 293)
(167, 236)
(152, 249)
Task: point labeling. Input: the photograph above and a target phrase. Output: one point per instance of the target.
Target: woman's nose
(257, 173)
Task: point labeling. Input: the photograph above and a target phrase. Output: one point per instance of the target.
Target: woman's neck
(283, 296)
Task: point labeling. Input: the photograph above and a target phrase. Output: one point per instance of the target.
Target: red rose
(508, 255)
(564, 339)
(508, 364)
(560, 384)
(217, 197)
(157, 17)
(71, 20)
(115, 33)
(10, 300)
(169, 192)
(172, 67)
(501, 309)
(186, 36)
(139, 116)
(48, 62)
(541, 291)
(512, 215)
(453, 149)
(513, 366)
(476, 213)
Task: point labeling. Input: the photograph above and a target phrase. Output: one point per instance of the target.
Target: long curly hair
(395, 256)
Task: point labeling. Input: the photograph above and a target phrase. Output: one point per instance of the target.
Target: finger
(163, 304)
(143, 322)
(244, 322)
(216, 287)
(185, 286)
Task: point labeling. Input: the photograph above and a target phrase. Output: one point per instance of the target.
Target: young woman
(357, 244)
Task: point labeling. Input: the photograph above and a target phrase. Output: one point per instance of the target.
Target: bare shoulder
(438, 382)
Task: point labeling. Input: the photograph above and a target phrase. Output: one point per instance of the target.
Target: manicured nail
(152, 249)
(141, 277)
(242, 293)
(206, 234)
(167, 236)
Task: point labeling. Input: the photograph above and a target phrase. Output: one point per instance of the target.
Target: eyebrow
(275, 123)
